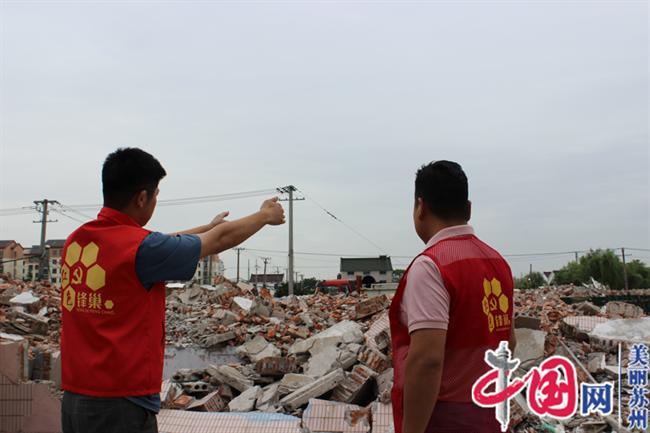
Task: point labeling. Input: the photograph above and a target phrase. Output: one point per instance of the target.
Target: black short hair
(442, 185)
(126, 172)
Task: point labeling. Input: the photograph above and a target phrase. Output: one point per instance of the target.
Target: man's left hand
(219, 219)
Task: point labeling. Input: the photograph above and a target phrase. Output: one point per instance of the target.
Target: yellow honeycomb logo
(495, 304)
(69, 296)
(79, 266)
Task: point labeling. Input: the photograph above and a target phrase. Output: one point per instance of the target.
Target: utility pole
(42, 208)
(266, 260)
(239, 251)
(624, 270)
(249, 270)
(289, 190)
(576, 257)
(531, 269)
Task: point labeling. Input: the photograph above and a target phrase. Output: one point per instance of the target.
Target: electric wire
(349, 227)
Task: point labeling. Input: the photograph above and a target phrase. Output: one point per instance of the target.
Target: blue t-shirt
(162, 257)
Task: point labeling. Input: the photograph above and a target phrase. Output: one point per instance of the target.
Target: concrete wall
(25, 406)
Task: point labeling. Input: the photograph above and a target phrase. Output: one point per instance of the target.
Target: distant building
(208, 269)
(32, 261)
(272, 280)
(53, 253)
(11, 258)
(372, 270)
(28, 267)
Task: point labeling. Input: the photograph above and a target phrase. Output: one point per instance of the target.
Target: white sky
(544, 104)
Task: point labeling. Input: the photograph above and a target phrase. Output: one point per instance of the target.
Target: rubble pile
(209, 316)
(586, 334)
(292, 349)
(31, 312)
(323, 362)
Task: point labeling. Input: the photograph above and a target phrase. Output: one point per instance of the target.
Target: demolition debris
(320, 362)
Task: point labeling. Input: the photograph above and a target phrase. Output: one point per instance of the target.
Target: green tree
(530, 281)
(605, 267)
(305, 287)
(397, 275)
(638, 275)
(571, 273)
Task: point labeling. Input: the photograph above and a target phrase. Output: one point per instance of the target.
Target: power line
(69, 216)
(311, 253)
(546, 255)
(192, 200)
(349, 227)
(17, 211)
(67, 208)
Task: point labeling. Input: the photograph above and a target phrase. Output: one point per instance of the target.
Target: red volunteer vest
(480, 286)
(113, 329)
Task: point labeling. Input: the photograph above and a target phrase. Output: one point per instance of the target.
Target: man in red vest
(113, 277)
(453, 303)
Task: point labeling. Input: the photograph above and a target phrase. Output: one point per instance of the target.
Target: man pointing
(113, 296)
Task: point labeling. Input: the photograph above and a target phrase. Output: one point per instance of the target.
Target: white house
(372, 270)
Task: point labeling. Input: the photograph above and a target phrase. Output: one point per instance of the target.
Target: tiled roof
(381, 263)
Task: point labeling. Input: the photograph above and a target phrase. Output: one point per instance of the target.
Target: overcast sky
(545, 105)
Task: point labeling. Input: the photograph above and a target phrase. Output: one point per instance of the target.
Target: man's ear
(469, 210)
(420, 208)
(142, 198)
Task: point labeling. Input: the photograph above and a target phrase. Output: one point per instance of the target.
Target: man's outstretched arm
(229, 234)
(204, 228)
(423, 374)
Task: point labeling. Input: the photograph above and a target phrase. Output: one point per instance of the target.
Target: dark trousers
(84, 414)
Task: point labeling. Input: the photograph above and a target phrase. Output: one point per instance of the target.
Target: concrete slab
(269, 398)
(269, 351)
(251, 347)
(617, 309)
(312, 390)
(323, 361)
(291, 382)
(346, 331)
(231, 376)
(624, 330)
(524, 321)
(530, 344)
(245, 402)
